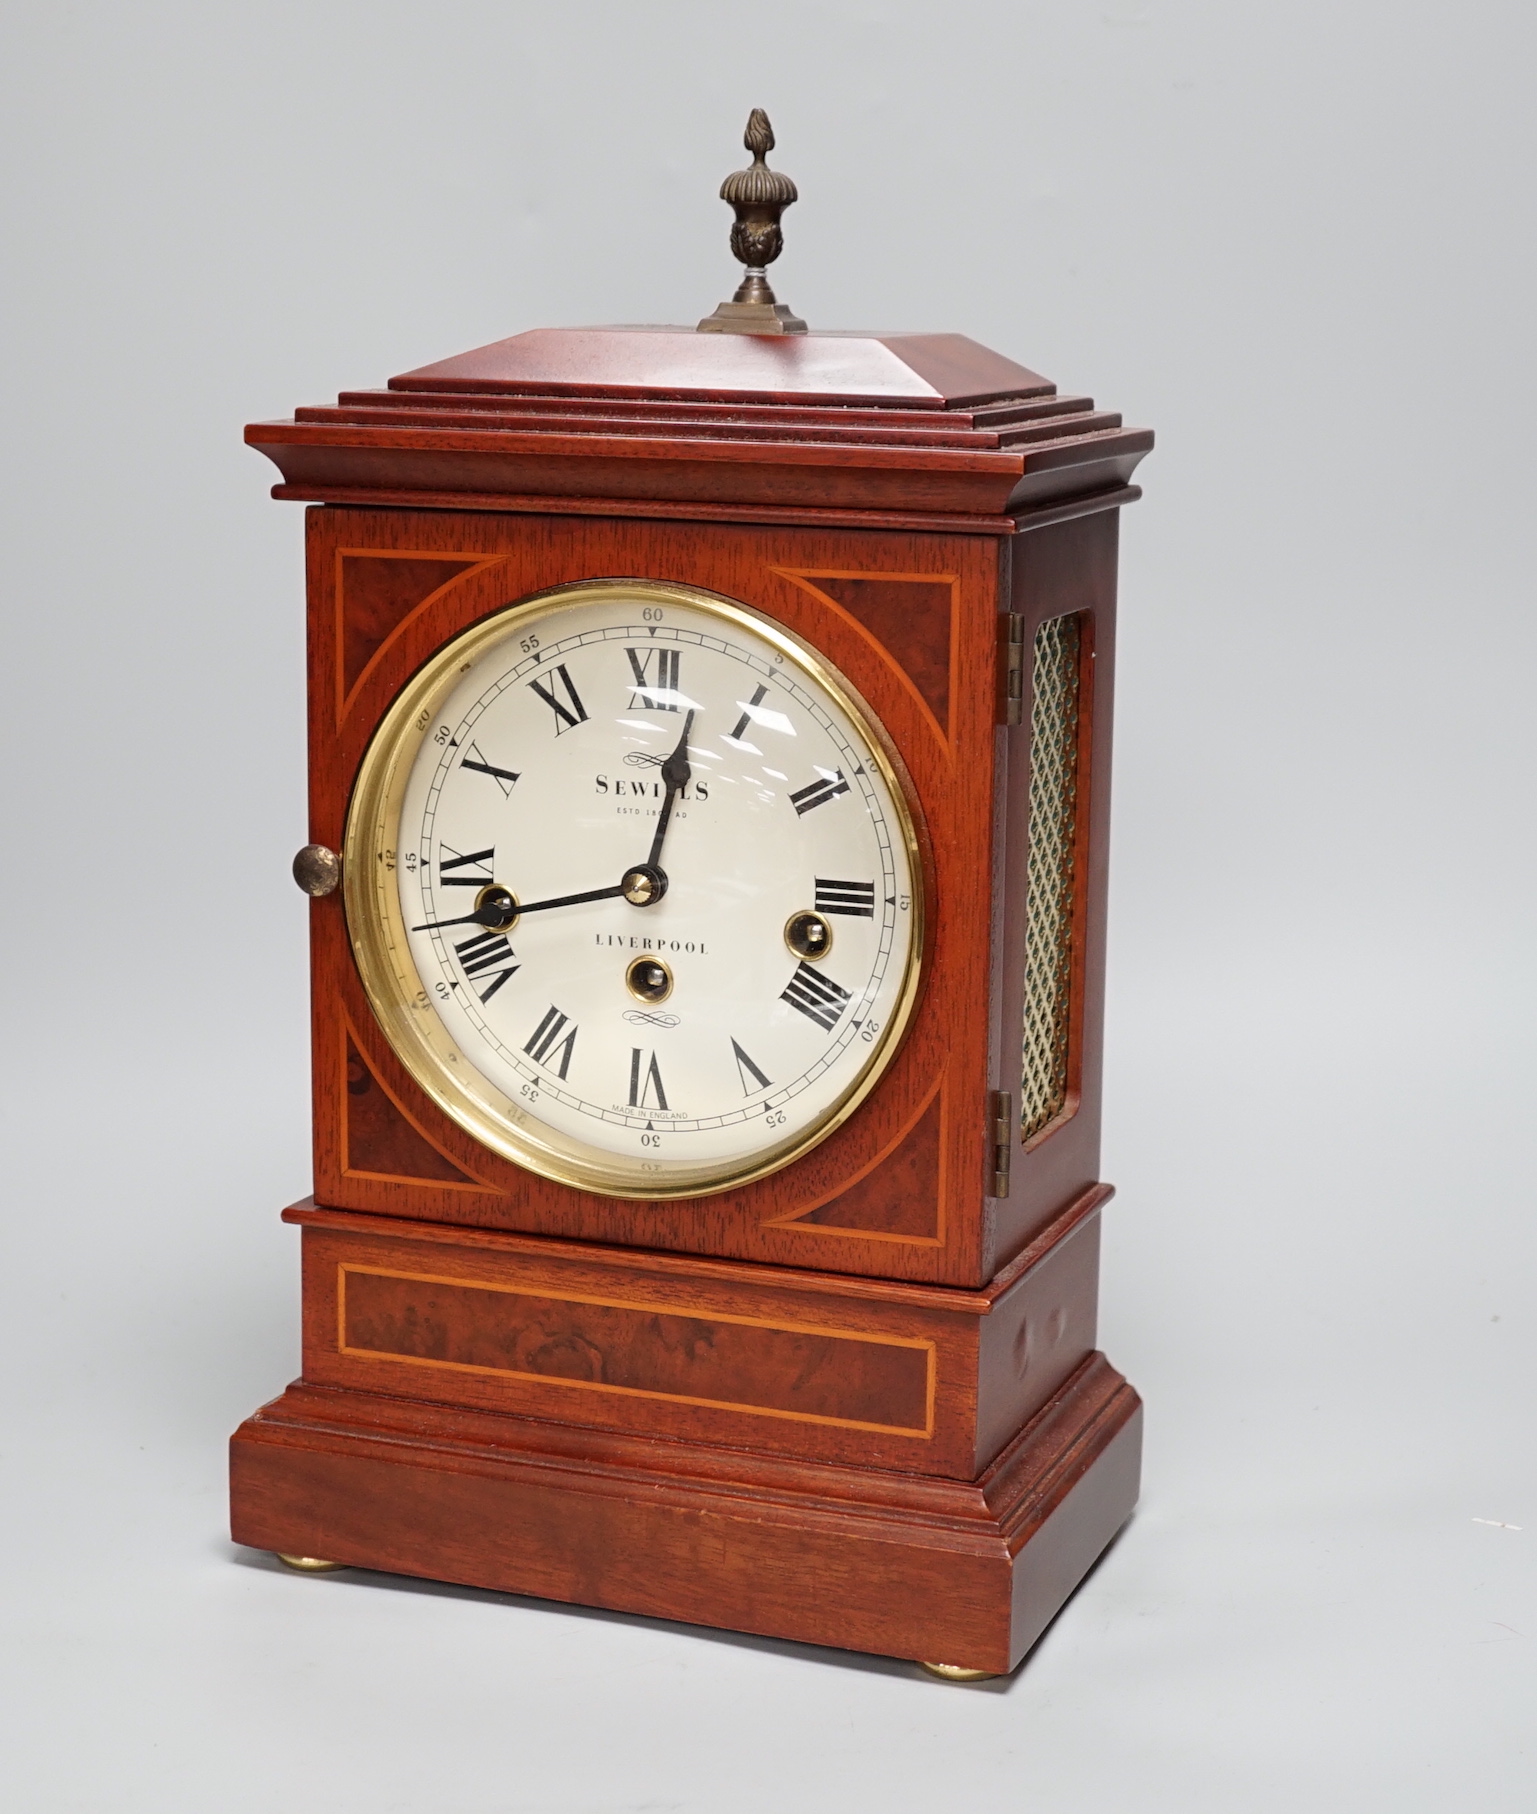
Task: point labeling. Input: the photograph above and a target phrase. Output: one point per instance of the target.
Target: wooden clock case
(859, 1401)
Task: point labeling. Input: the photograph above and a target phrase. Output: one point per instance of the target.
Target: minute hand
(573, 900)
(676, 773)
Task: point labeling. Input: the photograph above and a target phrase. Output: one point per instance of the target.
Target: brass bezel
(401, 1000)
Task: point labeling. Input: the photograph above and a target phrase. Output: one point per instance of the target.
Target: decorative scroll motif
(1049, 898)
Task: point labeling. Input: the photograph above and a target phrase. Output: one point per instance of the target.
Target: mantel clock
(709, 756)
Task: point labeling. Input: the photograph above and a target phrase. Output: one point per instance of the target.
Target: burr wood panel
(812, 1374)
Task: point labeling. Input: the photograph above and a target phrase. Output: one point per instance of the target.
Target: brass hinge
(1011, 668)
(1001, 1108)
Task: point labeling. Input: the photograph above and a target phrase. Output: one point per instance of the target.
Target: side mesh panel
(1049, 901)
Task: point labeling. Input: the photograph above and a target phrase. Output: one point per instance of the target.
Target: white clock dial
(643, 906)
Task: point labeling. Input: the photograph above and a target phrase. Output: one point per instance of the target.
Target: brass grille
(1049, 895)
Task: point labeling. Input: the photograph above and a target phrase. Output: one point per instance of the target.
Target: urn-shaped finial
(759, 196)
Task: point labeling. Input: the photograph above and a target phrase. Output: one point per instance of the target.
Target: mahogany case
(911, 1302)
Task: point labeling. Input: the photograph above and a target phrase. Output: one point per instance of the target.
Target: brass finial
(759, 196)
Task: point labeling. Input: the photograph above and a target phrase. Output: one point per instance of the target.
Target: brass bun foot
(953, 1672)
(307, 1565)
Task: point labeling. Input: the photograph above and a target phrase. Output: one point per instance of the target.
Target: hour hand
(675, 768)
(676, 773)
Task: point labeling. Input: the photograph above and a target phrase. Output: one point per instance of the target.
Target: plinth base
(907, 1565)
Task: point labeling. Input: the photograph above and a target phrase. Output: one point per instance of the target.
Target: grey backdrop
(1296, 239)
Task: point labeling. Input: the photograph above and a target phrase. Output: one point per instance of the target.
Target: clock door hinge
(1001, 1118)
(1011, 668)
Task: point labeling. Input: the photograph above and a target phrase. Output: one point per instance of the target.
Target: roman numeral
(475, 759)
(547, 1046)
(745, 1068)
(746, 719)
(477, 862)
(819, 792)
(573, 712)
(642, 1083)
(854, 898)
(818, 997)
(661, 694)
(480, 957)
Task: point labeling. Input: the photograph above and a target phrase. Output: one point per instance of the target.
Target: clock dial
(633, 888)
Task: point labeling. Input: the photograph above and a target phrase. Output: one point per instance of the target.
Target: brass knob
(317, 870)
